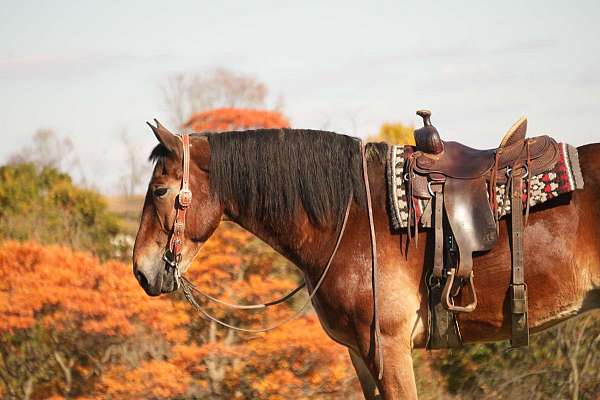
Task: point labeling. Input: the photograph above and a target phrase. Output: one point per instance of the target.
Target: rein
(188, 287)
(172, 256)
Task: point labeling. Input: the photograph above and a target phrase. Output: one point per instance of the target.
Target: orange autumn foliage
(117, 343)
(227, 119)
(64, 289)
(66, 319)
(152, 379)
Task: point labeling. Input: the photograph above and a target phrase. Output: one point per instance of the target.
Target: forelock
(160, 152)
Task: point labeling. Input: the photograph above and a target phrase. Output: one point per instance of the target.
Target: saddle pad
(563, 178)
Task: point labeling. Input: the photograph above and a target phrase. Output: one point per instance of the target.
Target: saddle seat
(458, 161)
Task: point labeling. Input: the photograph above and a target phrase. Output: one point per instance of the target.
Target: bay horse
(291, 187)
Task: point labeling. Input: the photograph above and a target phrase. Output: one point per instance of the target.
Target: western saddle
(462, 183)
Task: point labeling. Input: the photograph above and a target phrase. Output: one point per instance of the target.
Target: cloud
(588, 76)
(527, 46)
(68, 63)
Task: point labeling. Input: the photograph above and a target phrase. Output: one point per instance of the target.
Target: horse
(291, 188)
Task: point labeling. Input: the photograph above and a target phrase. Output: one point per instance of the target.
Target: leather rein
(173, 253)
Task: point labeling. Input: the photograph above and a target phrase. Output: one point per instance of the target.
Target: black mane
(271, 174)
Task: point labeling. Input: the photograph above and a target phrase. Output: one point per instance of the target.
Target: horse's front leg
(398, 380)
(367, 382)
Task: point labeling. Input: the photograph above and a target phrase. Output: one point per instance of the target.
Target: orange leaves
(94, 315)
(121, 344)
(277, 385)
(151, 380)
(64, 289)
(228, 119)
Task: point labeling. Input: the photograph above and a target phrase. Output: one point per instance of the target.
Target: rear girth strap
(518, 288)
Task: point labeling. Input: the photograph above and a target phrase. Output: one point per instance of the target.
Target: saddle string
(187, 289)
(493, 184)
(529, 176)
(492, 188)
(412, 210)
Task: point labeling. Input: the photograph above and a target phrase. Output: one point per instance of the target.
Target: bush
(562, 362)
(45, 206)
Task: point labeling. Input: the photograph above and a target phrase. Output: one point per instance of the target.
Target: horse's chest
(334, 318)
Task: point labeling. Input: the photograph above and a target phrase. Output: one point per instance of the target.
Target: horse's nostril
(141, 279)
(148, 279)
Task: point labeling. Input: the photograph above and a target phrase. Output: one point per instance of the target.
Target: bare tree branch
(184, 94)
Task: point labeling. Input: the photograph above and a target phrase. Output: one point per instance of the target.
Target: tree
(186, 94)
(131, 180)
(222, 87)
(49, 151)
(46, 151)
(226, 119)
(395, 133)
(69, 324)
(103, 337)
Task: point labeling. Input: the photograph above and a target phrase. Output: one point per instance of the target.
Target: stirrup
(448, 302)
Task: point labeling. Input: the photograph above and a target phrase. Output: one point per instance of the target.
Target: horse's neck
(302, 243)
(310, 247)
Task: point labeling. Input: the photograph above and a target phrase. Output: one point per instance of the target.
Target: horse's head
(150, 266)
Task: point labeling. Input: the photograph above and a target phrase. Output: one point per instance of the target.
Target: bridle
(172, 256)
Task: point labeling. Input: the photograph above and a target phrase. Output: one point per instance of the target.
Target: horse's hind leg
(367, 383)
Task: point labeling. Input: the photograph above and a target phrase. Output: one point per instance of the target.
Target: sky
(92, 70)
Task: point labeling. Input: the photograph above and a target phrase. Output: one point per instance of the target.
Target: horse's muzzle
(155, 279)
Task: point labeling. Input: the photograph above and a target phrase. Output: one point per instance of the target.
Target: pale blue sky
(91, 69)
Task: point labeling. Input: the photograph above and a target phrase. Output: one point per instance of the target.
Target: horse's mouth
(162, 282)
(158, 277)
(169, 283)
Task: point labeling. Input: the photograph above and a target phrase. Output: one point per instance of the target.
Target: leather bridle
(172, 254)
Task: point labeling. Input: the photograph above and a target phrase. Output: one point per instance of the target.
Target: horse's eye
(160, 192)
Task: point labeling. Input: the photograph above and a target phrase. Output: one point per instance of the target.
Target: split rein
(172, 257)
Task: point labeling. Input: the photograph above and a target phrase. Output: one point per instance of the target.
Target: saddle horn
(427, 138)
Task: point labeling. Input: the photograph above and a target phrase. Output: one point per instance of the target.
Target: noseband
(172, 255)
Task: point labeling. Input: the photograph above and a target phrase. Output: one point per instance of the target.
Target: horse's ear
(166, 138)
(200, 152)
